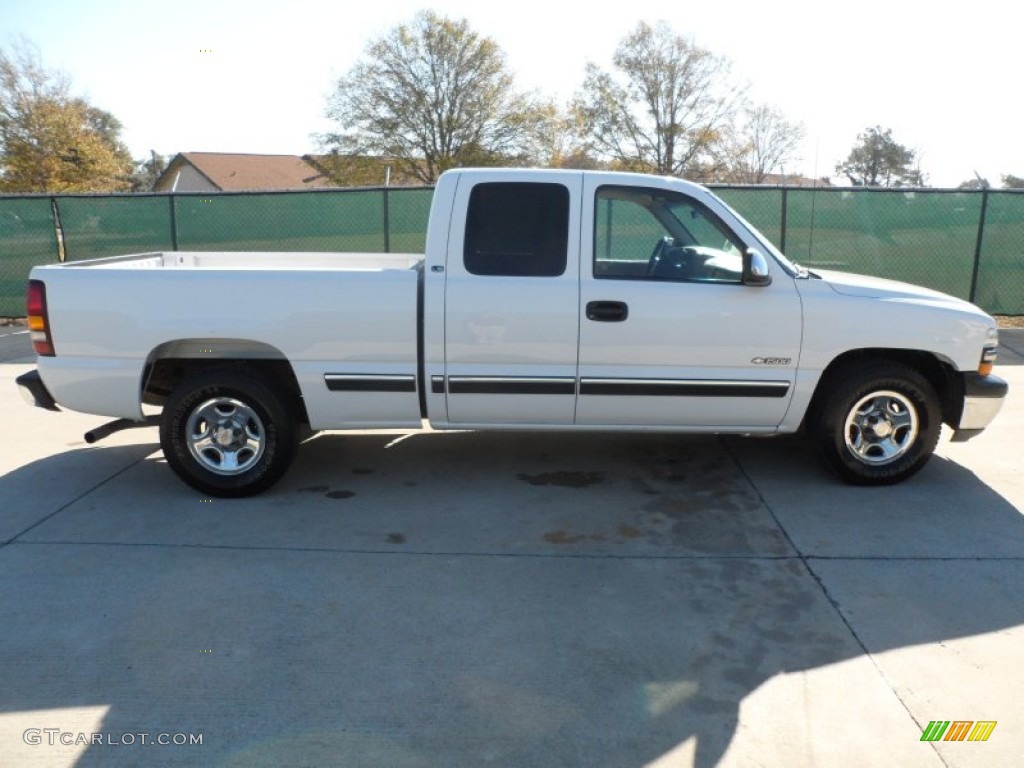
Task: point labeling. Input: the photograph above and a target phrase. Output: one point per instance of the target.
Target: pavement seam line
(502, 555)
(828, 595)
(408, 553)
(75, 500)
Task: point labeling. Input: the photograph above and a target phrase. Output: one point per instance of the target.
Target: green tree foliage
(361, 170)
(1012, 182)
(878, 160)
(665, 107)
(433, 94)
(147, 172)
(978, 182)
(51, 141)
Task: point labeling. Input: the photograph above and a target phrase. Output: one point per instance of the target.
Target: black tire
(227, 433)
(876, 423)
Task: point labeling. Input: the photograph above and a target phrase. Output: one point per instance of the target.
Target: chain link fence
(966, 243)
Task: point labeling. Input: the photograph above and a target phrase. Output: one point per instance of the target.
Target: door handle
(607, 311)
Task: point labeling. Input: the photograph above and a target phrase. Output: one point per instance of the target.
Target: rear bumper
(983, 397)
(34, 391)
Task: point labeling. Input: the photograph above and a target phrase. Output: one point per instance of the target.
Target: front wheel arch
(876, 423)
(947, 382)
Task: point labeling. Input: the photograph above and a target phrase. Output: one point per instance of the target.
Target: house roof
(234, 171)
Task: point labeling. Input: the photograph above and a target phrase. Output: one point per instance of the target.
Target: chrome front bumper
(983, 397)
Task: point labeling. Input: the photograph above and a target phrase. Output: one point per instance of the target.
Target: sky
(254, 76)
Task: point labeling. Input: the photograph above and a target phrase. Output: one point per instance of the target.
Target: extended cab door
(512, 299)
(669, 334)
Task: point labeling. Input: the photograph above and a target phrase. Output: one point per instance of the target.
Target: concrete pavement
(507, 599)
(14, 345)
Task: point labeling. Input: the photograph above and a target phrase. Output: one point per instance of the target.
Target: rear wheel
(226, 433)
(878, 423)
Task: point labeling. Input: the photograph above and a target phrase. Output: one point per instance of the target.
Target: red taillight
(38, 320)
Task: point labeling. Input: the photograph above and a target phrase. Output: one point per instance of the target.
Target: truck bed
(328, 314)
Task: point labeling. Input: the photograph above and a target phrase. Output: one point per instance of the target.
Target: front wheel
(226, 433)
(878, 424)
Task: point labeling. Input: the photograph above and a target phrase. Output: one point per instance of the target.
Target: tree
(878, 160)
(763, 142)
(1012, 182)
(51, 141)
(564, 144)
(664, 108)
(360, 170)
(147, 171)
(978, 182)
(433, 94)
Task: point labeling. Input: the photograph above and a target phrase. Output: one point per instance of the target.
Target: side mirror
(755, 269)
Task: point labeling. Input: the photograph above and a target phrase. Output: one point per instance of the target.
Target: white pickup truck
(546, 300)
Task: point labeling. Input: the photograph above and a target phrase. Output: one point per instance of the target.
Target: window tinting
(517, 229)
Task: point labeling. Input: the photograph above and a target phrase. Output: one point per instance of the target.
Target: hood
(880, 288)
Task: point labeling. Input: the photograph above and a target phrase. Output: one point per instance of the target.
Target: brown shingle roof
(231, 171)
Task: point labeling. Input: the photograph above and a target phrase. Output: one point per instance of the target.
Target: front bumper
(983, 397)
(34, 391)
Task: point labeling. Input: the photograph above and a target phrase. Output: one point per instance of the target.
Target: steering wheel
(656, 254)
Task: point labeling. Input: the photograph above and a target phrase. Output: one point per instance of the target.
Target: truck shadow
(456, 599)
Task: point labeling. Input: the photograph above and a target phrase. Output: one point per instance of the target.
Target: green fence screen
(1000, 283)
(966, 243)
(110, 226)
(27, 237)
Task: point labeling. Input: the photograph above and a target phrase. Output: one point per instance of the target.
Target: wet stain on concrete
(410, 483)
(565, 479)
(340, 495)
(396, 538)
(629, 532)
(562, 537)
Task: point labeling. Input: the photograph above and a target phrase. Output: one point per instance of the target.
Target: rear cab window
(517, 229)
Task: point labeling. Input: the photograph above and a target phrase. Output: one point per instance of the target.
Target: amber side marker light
(988, 359)
(38, 320)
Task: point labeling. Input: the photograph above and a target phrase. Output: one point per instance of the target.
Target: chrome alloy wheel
(225, 436)
(881, 427)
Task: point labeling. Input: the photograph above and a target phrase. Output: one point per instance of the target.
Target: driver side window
(647, 234)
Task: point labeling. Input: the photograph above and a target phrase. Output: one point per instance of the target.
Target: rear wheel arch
(172, 362)
(228, 431)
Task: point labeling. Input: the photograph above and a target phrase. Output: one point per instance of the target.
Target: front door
(669, 335)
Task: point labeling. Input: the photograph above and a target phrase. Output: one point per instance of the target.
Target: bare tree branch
(664, 107)
(433, 95)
